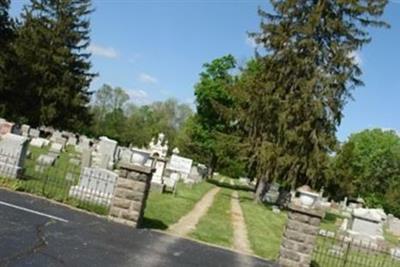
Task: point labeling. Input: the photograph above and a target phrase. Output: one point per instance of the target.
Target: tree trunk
(213, 164)
(260, 190)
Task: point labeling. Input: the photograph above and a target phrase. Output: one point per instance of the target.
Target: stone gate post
(130, 195)
(299, 236)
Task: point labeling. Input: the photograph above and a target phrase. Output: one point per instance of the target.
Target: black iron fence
(342, 251)
(62, 179)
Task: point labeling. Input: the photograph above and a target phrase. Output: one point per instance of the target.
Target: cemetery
(84, 173)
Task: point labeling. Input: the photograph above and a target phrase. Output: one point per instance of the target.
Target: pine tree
(56, 74)
(310, 72)
(6, 37)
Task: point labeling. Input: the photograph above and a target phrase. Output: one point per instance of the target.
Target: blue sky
(155, 50)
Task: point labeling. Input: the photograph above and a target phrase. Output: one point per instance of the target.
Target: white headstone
(158, 174)
(25, 130)
(38, 142)
(95, 185)
(34, 133)
(181, 165)
(46, 160)
(366, 224)
(105, 154)
(13, 150)
(56, 148)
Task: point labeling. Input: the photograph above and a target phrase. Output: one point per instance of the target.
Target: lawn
(215, 227)
(165, 209)
(264, 228)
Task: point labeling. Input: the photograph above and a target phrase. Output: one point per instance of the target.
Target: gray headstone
(86, 158)
(13, 150)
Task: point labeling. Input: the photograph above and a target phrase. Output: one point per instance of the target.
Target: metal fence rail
(59, 181)
(343, 251)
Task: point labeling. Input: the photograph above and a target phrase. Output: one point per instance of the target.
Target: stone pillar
(130, 195)
(299, 236)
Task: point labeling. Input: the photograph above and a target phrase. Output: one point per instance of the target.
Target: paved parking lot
(36, 232)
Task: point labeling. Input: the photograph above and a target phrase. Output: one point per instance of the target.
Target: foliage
(51, 75)
(308, 75)
(209, 136)
(128, 123)
(368, 165)
(7, 34)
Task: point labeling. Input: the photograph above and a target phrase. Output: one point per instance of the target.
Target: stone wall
(130, 195)
(299, 237)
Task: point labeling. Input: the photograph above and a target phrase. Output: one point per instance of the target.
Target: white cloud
(137, 94)
(147, 78)
(251, 42)
(356, 56)
(107, 52)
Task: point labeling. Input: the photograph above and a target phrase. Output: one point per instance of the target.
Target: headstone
(158, 174)
(84, 144)
(61, 140)
(105, 154)
(95, 185)
(393, 225)
(366, 224)
(13, 150)
(38, 142)
(72, 141)
(56, 148)
(181, 165)
(34, 133)
(171, 181)
(194, 175)
(6, 127)
(272, 194)
(74, 161)
(45, 160)
(86, 158)
(395, 253)
(56, 135)
(25, 130)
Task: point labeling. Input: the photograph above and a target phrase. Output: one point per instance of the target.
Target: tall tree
(209, 136)
(55, 68)
(6, 56)
(308, 44)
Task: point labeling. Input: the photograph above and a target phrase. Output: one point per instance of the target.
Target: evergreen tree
(6, 56)
(310, 72)
(55, 68)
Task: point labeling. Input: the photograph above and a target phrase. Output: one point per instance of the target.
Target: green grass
(331, 222)
(264, 228)
(215, 227)
(391, 238)
(163, 210)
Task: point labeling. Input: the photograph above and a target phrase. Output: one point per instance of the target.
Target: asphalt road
(36, 232)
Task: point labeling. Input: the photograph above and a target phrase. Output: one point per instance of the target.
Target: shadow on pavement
(153, 224)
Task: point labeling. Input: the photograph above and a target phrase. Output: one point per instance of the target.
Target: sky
(155, 50)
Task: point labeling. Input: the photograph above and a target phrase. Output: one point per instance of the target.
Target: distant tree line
(130, 124)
